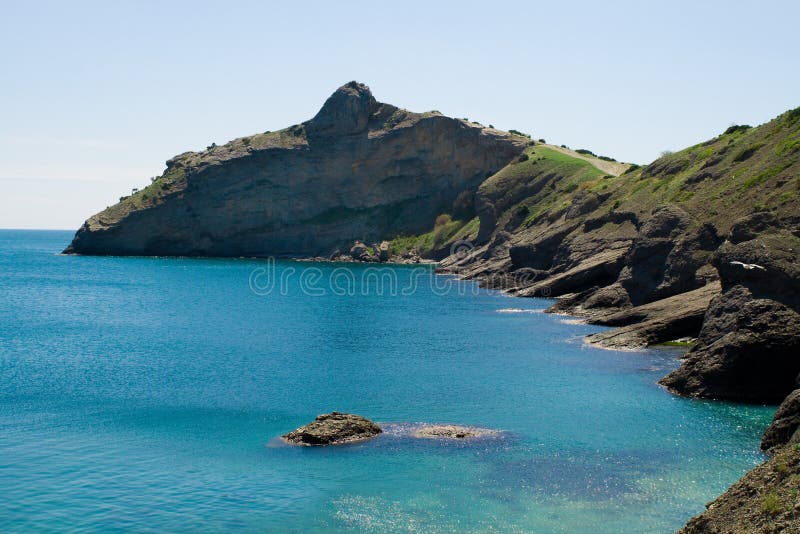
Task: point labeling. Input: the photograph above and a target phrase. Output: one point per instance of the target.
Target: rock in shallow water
(333, 428)
(451, 432)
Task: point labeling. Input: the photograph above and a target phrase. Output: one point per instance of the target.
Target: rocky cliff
(703, 243)
(359, 169)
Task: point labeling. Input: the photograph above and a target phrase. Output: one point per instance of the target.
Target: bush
(491, 126)
(522, 211)
(585, 151)
(564, 146)
(541, 140)
(632, 168)
(523, 157)
(517, 132)
(606, 158)
(442, 220)
(772, 503)
(737, 128)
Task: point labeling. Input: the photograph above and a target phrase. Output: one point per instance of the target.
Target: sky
(96, 96)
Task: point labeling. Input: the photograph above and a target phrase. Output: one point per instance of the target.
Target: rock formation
(749, 346)
(451, 432)
(334, 428)
(359, 169)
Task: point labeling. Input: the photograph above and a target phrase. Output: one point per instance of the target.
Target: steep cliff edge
(359, 169)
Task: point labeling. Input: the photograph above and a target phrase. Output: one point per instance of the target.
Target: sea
(149, 395)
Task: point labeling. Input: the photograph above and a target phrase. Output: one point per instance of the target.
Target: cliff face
(749, 345)
(359, 169)
(647, 251)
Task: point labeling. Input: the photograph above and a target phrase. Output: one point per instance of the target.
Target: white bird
(748, 266)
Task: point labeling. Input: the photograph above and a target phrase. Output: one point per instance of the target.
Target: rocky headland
(701, 244)
(359, 170)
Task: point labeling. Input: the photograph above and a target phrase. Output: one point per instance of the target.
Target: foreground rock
(334, 428)
(451, 432)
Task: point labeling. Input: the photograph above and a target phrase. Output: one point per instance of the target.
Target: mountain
(359, 169)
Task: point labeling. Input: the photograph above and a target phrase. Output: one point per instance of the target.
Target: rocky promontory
(359, 170)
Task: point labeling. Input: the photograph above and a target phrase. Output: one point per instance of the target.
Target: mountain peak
(345, 112)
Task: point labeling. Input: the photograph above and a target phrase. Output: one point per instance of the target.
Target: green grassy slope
(739, 172)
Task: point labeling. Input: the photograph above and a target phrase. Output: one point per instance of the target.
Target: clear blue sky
(95, 96)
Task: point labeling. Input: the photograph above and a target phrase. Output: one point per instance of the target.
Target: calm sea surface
(145, 394)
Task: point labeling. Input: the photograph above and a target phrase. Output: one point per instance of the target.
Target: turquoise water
(144, 394)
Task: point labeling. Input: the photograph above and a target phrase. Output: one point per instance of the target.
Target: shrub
(491, 126)
(606, 158)
(632, 168)
(564, 146)
(443, 219)
(246, 141)
(153, 179)
(585, 151)
(771, 503)
(517, 132)
(665, 153)
(523, 157)
(522, 211)
(212, 145)
(541, 140)
(733, 128)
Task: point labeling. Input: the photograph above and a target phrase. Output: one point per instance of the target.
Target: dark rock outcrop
(334, 428)
(359, 169)
(784, 424)
(749, 346)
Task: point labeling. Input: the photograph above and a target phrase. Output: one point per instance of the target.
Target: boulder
(333, 428)
(359, 251)
(784, 424)
(383, 251)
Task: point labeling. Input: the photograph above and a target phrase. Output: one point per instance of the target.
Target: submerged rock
(451, 432)
(333, 428)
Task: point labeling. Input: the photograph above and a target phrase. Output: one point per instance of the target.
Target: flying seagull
(748, 266)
